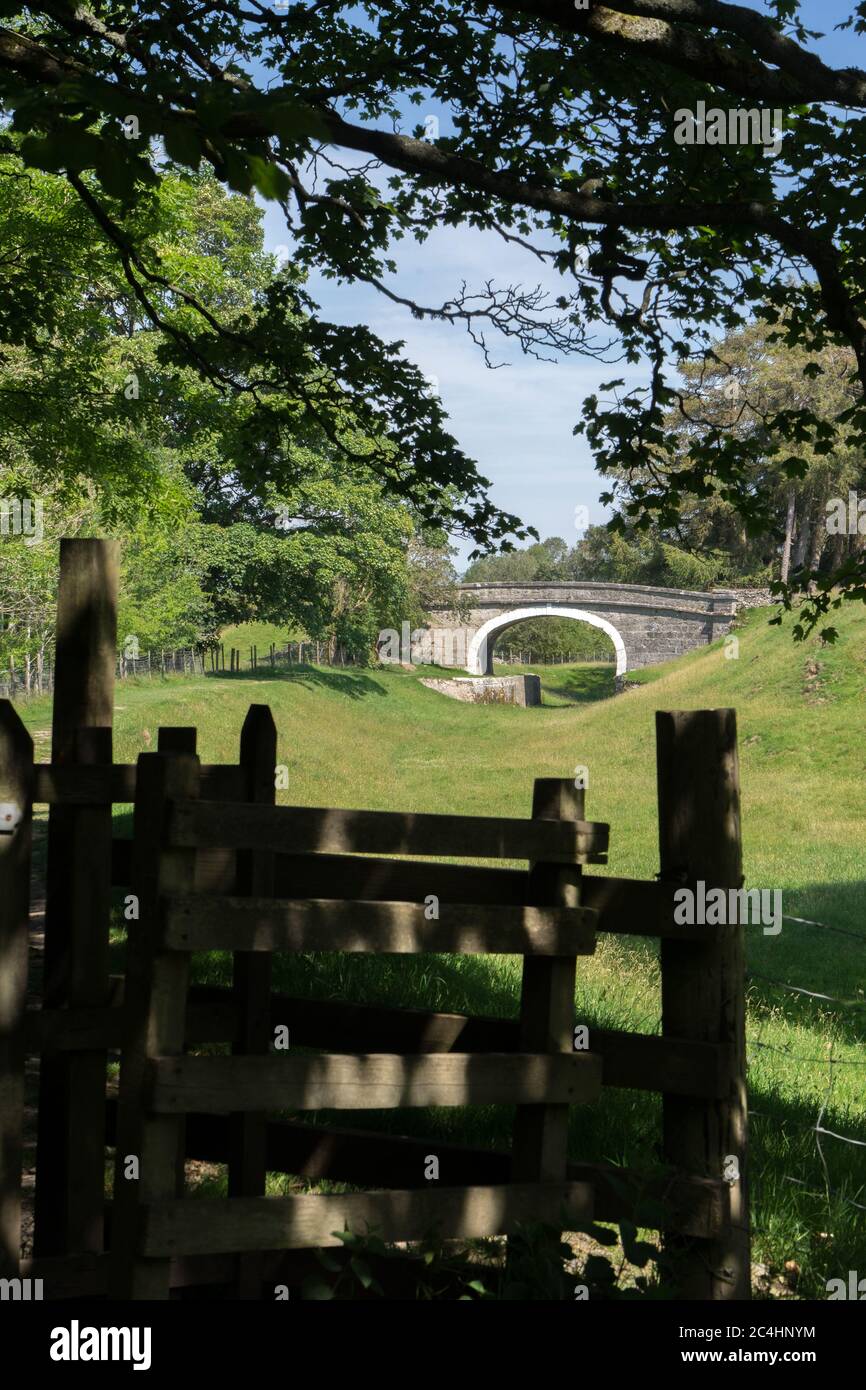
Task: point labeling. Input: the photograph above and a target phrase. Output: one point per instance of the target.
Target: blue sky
(515, 421)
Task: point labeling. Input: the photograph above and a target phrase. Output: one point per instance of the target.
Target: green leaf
(316, 1289)
(182, 145)
(237, 170)
(69, 147)
(294, 121)
(117, 177)
(271, 181)
(362, 1271)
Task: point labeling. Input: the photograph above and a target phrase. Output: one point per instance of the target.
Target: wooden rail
(367, 1081)
(634, 1061)
(198, 824)
(625, 906)
(290, 1223)
(200, 923)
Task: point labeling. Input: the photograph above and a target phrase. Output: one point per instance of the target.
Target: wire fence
(756, 1045)
(36, 675)
(517, 656)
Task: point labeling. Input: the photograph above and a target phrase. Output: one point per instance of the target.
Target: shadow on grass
(792, 1209)
(795, 1216)
(583, 685)
(357, 685)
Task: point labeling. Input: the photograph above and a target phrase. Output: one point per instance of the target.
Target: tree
(431, 579)
(574, 132)
(750, 380)
(545, 560)
(226, 511)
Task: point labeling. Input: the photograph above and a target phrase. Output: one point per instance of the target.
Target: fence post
(154, 1018)
(539, 1151)
(16, 793)
(703, 984)
(252, 982)
(70, 1183)
(178, 738)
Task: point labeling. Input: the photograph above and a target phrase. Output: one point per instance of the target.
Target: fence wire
(37, 678)
(819, 1129)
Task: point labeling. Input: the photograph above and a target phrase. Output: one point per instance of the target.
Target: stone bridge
(646, 625)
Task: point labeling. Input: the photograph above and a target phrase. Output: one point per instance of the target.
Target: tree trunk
(801, 543)
(819, 533)
(789, 535)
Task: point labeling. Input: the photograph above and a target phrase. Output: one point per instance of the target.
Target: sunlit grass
(379, 739)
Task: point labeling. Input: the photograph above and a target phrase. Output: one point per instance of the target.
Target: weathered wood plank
(375, 879)
(16, 819)
(48, 1031)
(540, 1132)
(154, 1007)
(197, 923)
(638, 907)
(370, 1081)
(278, 828)
(70, 1159)
(634, 1061)
(625, 906)
(274, 1223)
(251, 981)
(703, 984)
(178, 738)
(61, 785)
(693, 1206)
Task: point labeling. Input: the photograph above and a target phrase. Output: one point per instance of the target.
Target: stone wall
(491, 690)
(748, 598)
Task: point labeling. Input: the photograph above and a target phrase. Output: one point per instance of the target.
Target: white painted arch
(476, 663)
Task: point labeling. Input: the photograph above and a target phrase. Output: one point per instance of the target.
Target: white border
(477, 656)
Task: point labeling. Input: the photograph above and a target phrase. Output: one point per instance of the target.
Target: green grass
(379, 739)
(261, 635)
(562, 686)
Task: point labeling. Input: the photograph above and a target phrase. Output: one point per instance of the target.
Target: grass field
(259, 635)
(379, 739)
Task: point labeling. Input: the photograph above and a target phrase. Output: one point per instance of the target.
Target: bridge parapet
(647, 625)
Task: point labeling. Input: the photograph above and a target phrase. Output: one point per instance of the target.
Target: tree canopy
(562, 132)
(227, 513)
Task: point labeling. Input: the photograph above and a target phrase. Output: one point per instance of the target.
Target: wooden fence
(36, 676)
(215, 865)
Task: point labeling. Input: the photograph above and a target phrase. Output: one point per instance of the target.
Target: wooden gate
(215, 865)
